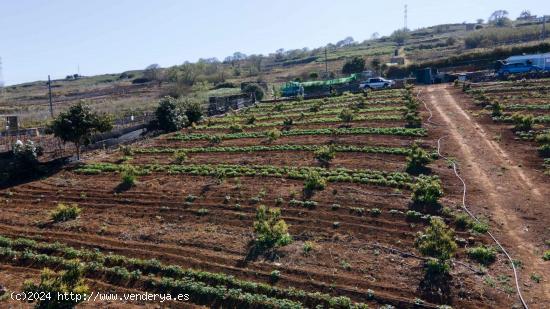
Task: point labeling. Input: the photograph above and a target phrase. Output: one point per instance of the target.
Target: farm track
(512, 199)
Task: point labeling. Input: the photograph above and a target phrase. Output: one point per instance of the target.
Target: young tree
(169, 117)
(79, 124)
(271, 231)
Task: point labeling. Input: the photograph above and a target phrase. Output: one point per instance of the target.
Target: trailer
(541, 61)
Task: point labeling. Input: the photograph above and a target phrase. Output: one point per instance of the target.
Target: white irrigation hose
(516, 277)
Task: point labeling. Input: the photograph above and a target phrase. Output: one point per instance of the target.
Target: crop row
(245, 116)
(363, 176)
(267, 110)
(527, 107)
(536, 119)
(204, 287)
(257, 148)
(391, 117)
(326, 131)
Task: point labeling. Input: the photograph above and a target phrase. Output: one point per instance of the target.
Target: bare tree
(153, 72)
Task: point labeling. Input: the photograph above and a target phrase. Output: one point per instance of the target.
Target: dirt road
(512, 197)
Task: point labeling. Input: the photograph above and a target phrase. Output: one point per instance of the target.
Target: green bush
(250, 119)
(463, 221)
(437, 241)
(65, 212)
(482, 254)
(496, 109)
(307, 247)
(236, 128)
(256, 90)
(417, 159)
(193, 110)
(346, 115)
(546, 255)
(271, 231)
(180, 156)
(273, 134)
(426, 192)
(522, 122)
(169, 117)
(354, 65)
(314, 181)
(324, 154)
(128, 175)
(480, 227)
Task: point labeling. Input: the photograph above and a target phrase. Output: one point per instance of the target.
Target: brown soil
(503, 184)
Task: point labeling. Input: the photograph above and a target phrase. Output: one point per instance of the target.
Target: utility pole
(405, 24)
(50, 95)
(543, 34)
(326, 63)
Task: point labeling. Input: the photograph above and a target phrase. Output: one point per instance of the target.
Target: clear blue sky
(109, 36)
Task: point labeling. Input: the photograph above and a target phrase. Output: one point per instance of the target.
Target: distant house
(397, 60)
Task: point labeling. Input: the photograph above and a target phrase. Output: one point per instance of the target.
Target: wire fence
(53, 147)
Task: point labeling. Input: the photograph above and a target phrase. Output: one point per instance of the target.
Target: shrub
(315, 108)
(546, 255)
(484, 255)
(251, 119)
(522, 122)
(256, 90)
(354, 65)
(128, 175)
(169, 117)
(126, 150)
(313, 182)
(324, 155)
(180, 156)
(543, 138)
(426, 192)
(480, 227)
(65, 212)
(271, 231)
(437, 240)
(307, 247)
(288, 122)
(193, 110)
(417, 159)
(436, 268)
(375, 212)
(236, 128)
(496, 109)
(214, 139)
(463, 221)
(275, 275)
(544, 150)
(26, 154)
(346, 115)
(412, 118)
(51, 283)
(273, 134)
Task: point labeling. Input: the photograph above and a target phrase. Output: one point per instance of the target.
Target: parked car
(376, 83)
(518, 68)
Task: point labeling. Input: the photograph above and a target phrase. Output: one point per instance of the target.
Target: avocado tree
(79, 124)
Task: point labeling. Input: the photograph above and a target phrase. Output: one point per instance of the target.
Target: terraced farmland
(524, 107)
(186, 224)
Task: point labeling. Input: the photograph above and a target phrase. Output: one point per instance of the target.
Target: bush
(26, 154)
(463, 221)
(484, 255)
(65, 212)
(273, 134)
(546, 255)
(480, 227)
(126, 150)
(307, 247)
(522, 122)
(324, 155)
(436, 268)
(180, 156)
(543, 138)
(169, 117)
(193, 110)
(251, 119)
(426, 193)
(437, 240)
(346, 115)
(256, 89)
(271, 231)
(67, 282)
(313, 182)
(496, 109)
(236, 128)
(417, 159)
(128, 175)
